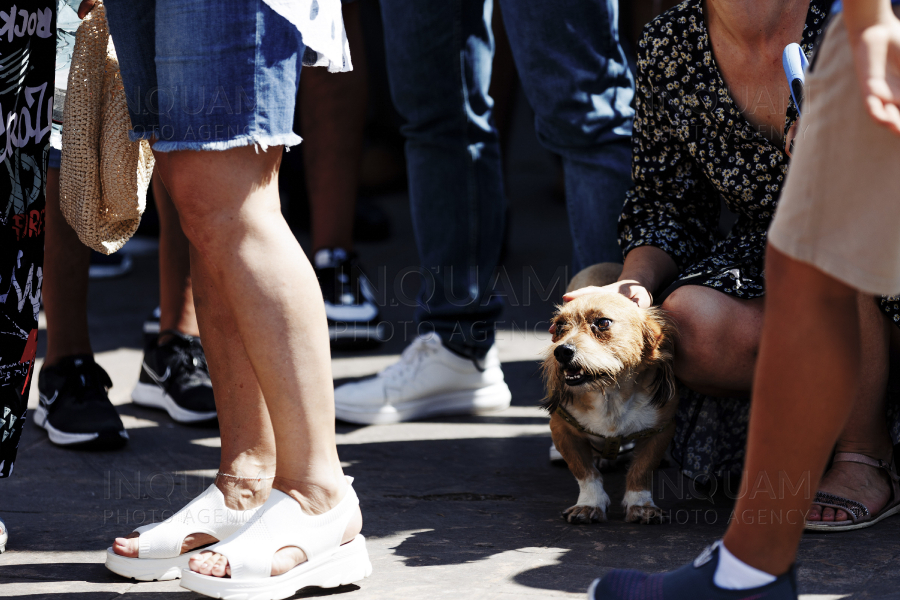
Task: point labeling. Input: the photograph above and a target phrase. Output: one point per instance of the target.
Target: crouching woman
(713, 108)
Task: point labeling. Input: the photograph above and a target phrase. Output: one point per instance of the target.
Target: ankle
(314, 496)
(879, 447)
(755, 547)
(242, 493)
(52, 360)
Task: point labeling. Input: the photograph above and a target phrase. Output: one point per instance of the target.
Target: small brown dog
(609, 381)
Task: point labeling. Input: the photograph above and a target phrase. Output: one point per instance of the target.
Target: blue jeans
(207, 75)
(574, 74)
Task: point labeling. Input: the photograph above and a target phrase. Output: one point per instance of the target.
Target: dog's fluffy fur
(610, 366)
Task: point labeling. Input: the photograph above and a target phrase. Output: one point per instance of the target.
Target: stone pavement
(453, 507)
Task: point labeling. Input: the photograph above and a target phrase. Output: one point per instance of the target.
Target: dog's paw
(645, 514)
(584, 514)
(639, 508)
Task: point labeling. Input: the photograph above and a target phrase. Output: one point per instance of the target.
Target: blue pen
(794, 62)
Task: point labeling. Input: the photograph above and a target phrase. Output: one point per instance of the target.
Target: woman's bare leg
(718, 344)
(230, 210)
(718, 339)
(66, 264)
(866, 431)
(248, 442)
(789, 390)
(332, 117)
(176, 298)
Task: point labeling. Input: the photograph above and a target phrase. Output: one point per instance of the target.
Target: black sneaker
(349, 299)
(175, 378)
(74, 406)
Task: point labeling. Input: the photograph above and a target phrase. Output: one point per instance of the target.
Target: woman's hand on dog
(630, 288)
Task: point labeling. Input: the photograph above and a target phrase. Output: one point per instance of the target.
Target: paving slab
(457, 507)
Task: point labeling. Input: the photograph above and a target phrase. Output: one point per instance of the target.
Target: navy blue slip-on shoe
(690, 582)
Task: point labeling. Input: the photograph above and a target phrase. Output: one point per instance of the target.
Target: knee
(214, 226)
(578, 129)
(698, 333)
(196, 217)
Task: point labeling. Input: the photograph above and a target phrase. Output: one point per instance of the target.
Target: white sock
(734, 574)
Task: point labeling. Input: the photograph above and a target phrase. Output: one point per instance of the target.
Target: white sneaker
(427, 381)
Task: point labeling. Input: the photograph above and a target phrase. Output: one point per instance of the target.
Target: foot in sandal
(857, 491)
(294, 541)
(162, 550)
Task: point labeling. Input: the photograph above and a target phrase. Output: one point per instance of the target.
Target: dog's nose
(564, 353)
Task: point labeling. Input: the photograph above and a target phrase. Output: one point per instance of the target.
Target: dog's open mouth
(575, 376)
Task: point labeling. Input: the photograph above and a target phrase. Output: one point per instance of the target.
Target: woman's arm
(647, 270)
(670, 214)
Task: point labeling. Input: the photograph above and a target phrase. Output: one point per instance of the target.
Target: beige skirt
(840, 208)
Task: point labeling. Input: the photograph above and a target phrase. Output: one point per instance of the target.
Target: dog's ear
(664, 387)
(659, 345)
(554, 398)
(555, 331)
(557, 391)
(659, 336)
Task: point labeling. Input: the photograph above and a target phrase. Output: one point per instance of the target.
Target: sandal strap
(281, 523)
(867, 460)
(856, 510)
(889, 468)
(206, 513)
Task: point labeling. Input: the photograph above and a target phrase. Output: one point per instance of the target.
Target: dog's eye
(602, 323)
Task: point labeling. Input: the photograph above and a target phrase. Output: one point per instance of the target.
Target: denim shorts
(53, 160)
(207, 74)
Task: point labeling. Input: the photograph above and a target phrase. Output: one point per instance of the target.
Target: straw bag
(103, 175)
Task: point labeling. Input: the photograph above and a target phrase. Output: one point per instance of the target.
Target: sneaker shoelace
(189, 365)
(88, 383)
(410, 359)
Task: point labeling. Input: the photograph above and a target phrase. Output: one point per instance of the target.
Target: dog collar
(611, 444)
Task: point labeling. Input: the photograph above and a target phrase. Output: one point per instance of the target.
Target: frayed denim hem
(136, 137)
(261, 142)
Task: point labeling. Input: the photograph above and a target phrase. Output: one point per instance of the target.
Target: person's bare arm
(647, 270)
(85, 7)
(874, 34)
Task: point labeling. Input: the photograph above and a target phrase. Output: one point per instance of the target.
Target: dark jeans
(573, 71)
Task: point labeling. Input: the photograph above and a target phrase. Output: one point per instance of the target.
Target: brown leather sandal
(860, 516)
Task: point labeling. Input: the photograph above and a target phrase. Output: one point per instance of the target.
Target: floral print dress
(693, 150)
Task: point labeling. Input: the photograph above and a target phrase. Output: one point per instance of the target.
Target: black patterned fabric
(692, 150)
(27, 55)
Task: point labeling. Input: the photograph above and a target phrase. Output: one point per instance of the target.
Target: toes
(815, 513)
(840, 515)
(218, 568)
(828, 514)
(210, 563)
(196, 561)
(127, 547)
(584, 514)
(201, 563)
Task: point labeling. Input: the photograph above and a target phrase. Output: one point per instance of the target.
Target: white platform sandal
(278, 524)
(159, 544)
(3, 537)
